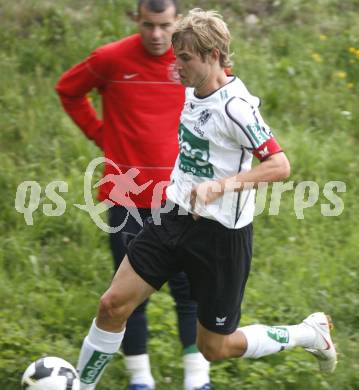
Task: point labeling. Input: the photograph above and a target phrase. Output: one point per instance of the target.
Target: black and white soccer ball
(50, 373)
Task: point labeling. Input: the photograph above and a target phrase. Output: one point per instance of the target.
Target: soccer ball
(50, 373)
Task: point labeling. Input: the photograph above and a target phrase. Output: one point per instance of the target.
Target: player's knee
(112, 307)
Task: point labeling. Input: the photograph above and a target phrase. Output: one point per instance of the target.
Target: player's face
(156, 29)
(194, 71)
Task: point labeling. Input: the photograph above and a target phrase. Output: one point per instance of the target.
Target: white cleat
(323, 347)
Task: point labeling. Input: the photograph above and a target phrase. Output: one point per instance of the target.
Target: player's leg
(313, 334)
(151, 255)
(126, 292)
(218, 267)
(134, 344)
(255, 341)
(196, 367)
(220, 296)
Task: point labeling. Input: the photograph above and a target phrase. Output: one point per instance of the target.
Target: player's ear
(215, 54)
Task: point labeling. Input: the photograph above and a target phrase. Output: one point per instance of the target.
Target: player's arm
(251, 133)
(275, 167)
(73, 87)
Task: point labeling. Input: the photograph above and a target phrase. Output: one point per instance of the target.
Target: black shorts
(216, 260)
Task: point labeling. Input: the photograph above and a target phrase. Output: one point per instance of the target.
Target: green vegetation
(302, 58)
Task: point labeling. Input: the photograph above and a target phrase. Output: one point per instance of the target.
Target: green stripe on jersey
(258, 135)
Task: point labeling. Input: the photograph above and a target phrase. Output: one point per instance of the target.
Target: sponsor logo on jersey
(258, 135)
(194, 154)
(279, 334)
(94, 366)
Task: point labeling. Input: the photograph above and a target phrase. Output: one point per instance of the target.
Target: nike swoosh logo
(326, 341)
(129, 76)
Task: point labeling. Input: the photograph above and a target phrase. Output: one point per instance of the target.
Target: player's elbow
(59, 86)
(285, 167)
(281, 166)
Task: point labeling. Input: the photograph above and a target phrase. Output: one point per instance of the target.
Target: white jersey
(218, 135)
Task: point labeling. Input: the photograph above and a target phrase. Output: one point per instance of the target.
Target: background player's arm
(73, 87)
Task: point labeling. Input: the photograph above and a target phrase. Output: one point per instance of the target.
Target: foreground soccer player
(142, 99)
(208, 232)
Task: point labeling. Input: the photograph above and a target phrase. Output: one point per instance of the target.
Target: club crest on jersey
(204, 117)
(202, 120)
(173, 74)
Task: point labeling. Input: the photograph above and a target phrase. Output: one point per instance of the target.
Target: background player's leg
(196, 367)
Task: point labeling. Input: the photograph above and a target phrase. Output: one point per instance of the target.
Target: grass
(302, 60)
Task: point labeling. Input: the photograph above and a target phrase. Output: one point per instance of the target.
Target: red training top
(142, 99)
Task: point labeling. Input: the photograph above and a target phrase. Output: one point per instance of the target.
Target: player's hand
(205, 193)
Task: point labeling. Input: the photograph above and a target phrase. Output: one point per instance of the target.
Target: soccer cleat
(323, 347)
(207, 386)
(136, 386)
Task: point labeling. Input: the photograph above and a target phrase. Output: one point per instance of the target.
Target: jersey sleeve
(73, 87)
(249, 129)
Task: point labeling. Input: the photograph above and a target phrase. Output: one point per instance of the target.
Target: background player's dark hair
(157, 5)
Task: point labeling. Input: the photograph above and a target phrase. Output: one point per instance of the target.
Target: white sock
(97, 350)
(139, 369)
(265, 340)
(196, 370)
(302, 334)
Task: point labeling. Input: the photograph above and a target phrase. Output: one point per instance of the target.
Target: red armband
(267, 149)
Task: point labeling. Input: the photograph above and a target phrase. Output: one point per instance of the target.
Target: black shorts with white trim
(216, 260)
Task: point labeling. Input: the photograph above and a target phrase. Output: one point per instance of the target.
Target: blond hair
(201, 32)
